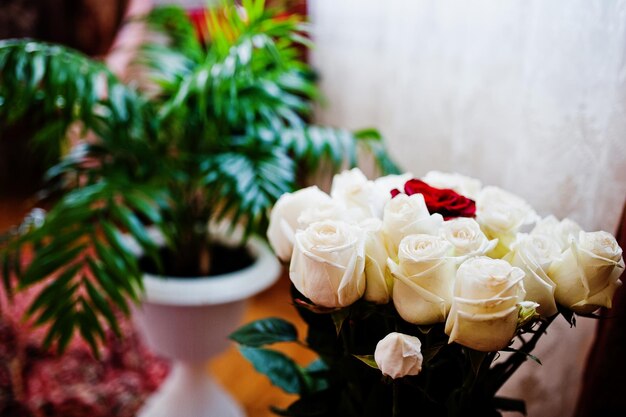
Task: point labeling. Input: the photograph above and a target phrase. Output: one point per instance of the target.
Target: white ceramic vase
(188, 320)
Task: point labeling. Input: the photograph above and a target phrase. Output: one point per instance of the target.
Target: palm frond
(57, 86)
(82, 265)
(310, 144)
(245, 183)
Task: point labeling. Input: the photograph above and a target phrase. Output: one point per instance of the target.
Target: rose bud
(399, 355)
(587, 274)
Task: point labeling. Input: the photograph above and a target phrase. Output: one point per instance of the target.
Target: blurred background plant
(219, 132)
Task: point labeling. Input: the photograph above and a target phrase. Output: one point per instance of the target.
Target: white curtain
(528, 95)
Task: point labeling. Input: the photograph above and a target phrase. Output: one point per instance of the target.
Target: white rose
(485, 305)
(353, 190)
(378, 279)
(466, 237)
(407, 215)
(390, 182)
(466, 186)
(328, 263)
(587, 274)
(563, 232)
(399, 355)
(423, 279)
(534, 255)
(501, 215)
(329, 210)
(284, 218)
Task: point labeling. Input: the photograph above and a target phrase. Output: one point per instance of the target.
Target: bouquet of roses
(422, 296)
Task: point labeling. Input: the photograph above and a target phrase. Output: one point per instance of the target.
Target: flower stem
(503, 371)
(396, 400)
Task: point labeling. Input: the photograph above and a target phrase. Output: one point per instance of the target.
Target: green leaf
(89, 327)
(134, 225)
(371, 134)
(116, 241)
(281, 370)
(317, 365)
(43, 266)
(339, 317)
(264, 332)
(144, 205)
(62, 328)
(316, 376)
(103, 307)
(108, 285)
(368, 360)
(114, 268)
(5, 264)
(53, 291)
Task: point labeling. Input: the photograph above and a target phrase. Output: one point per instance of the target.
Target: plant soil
(225, 259)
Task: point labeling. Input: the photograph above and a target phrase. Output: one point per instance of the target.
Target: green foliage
(345, 380)
(265, 332)
(213, 131)
(281, 370)
(368, 360)
(54, 86)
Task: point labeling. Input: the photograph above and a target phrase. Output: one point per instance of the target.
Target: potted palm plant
(216, 136)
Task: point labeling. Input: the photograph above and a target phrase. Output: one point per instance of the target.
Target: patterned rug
(35, 382)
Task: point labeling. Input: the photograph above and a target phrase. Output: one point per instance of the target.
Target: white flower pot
(188, 320)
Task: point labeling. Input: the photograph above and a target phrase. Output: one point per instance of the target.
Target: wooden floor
(252, 390)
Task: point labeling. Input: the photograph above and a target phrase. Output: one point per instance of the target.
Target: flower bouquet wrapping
(422, 297)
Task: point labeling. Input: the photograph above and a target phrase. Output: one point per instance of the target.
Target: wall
(527, 95)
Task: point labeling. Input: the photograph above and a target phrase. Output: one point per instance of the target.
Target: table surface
(251, 389)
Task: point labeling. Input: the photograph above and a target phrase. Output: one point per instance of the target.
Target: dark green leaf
(108, 285)
(281, 370)
(368, 360)
(339, 317)
(44, 266)
(102, 306)
(53, 290)
(264, 332)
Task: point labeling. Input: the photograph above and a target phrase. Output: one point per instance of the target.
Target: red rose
(446, 202)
